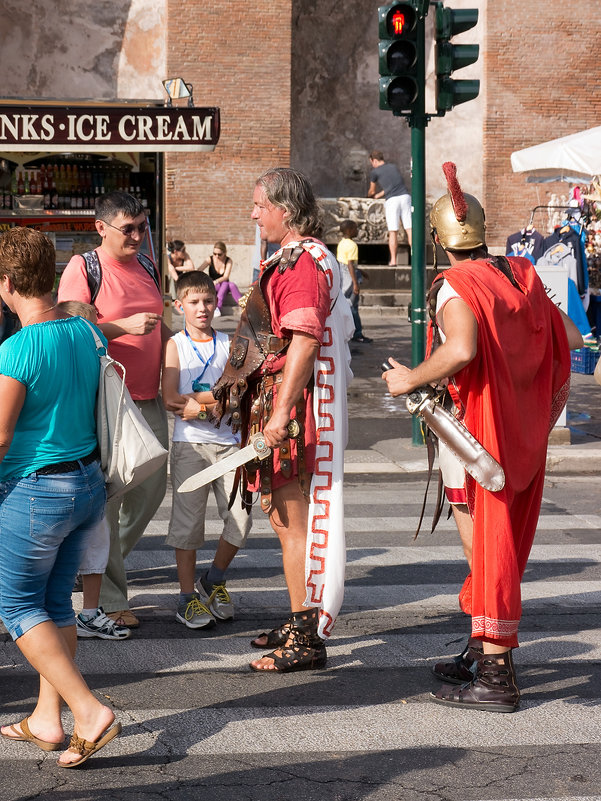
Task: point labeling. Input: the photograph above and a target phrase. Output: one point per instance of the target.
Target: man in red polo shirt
(129, 304)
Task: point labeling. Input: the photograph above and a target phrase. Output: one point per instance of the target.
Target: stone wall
(336, 119)
(67, 49)
(542, 83)
(302, 88)
(209, 195)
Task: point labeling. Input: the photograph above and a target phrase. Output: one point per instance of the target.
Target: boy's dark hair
(377, 155)
(28, 258)
(349, 228)
(194, 280)
(109, 206)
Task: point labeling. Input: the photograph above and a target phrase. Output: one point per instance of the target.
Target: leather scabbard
(472, 455)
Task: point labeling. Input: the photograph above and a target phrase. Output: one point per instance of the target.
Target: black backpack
(94, 271)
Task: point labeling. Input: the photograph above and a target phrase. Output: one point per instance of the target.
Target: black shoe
(462, 668)
(361, 338)
(493, 689)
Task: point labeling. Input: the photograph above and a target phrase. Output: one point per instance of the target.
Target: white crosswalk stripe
(190, 695)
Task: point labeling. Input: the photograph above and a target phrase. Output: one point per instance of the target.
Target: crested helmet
(457, 218)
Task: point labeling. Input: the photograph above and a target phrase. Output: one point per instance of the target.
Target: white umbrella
(574, 158)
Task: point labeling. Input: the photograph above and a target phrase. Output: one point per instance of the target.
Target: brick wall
(236, 56)
(541, 83)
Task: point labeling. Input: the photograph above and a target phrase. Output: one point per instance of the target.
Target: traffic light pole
(418, 123)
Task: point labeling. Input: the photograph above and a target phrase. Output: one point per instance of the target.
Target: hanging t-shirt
(563, 247)
(526, 243)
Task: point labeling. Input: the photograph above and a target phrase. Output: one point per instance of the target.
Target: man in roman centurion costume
(287, 376)
(504, 347)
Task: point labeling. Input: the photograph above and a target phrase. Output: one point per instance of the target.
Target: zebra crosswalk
(198, 724)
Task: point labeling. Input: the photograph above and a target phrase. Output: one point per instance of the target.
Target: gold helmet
(457, 218)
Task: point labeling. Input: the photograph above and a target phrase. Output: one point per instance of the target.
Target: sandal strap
(80, 746)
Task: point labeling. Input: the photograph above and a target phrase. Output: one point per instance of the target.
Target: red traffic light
(397, 20)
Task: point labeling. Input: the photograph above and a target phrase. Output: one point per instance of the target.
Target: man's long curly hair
(290, 190)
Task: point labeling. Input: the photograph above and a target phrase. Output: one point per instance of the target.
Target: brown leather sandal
(275, 637)
(304, 649)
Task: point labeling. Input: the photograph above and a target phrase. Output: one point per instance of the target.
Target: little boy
(194, 361)
(92, 621)
(348, 256)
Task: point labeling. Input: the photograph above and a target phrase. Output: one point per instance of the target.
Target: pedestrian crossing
(199, 724)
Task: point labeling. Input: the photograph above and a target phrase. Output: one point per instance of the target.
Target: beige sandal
(25, 735)
(85, 748)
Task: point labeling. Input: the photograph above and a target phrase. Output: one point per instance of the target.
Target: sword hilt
(293, 428)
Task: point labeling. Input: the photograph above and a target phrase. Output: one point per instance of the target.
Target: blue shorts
(45, 522)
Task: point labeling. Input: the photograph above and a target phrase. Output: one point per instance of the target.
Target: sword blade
(474, 457)
(256, 449)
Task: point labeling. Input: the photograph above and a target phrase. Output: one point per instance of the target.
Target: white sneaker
(217, 312)
(100, 626)
(194, 614)
(216, 597)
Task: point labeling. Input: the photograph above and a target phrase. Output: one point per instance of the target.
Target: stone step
(373, 299)
(385, 277)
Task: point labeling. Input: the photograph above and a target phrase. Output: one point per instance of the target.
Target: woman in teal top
(52, 493)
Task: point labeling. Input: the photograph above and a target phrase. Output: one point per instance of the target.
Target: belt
(68, 467)
(269, 343)
(271, 378)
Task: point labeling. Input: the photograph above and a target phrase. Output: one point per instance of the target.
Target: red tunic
(299, 300)
(512, 393)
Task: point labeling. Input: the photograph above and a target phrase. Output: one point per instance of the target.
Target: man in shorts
(386, 181)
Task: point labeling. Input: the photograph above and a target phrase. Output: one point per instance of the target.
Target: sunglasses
(218, 253)
(127, 230)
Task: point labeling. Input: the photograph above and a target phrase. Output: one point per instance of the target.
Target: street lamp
(176, 89)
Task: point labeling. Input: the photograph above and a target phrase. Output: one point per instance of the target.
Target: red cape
(512, 393)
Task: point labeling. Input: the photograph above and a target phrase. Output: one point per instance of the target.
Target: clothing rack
(571, 209)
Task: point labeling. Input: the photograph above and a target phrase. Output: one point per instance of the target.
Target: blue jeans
(45, 522)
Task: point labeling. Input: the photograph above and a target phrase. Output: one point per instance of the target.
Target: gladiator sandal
(304, 649)
(461, 669)
(493, 688)
(275, 637)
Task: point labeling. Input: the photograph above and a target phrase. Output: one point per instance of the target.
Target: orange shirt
(125, 289)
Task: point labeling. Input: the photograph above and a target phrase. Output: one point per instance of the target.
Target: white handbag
(129, 449)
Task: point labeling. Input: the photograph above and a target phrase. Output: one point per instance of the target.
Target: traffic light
(399, 56)
(450, 57)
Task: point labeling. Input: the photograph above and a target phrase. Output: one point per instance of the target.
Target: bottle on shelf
(61, 186)
(33, 184)
(20, 184)
(45, 188)
(26, 189)
(14, 190)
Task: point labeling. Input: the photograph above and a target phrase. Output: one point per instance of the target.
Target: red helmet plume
(455, 191)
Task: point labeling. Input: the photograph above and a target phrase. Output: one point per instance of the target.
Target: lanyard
(202, 361)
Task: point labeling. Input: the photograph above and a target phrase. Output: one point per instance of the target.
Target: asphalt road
(199, 725)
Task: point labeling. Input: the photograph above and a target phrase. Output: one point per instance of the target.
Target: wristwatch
(202, 414)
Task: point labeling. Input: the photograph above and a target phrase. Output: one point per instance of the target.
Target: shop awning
(574, 158)
(21, 159)
(115, 129)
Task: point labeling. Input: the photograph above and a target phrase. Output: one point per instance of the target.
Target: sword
(257, 448)
(473, 456)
